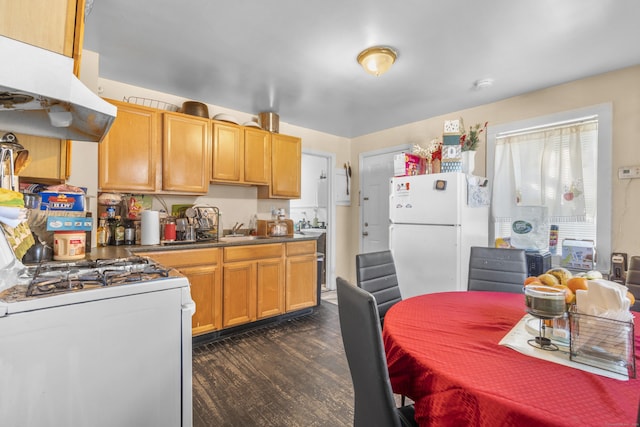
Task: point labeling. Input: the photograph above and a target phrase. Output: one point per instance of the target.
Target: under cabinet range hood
(40, 95)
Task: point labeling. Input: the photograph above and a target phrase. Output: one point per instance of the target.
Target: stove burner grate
(54, 278)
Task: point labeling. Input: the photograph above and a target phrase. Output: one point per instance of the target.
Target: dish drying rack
(153, 103)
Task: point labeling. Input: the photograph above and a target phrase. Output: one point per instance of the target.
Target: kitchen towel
(150, 228)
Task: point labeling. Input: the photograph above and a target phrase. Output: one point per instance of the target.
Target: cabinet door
(286, 161)
(257, 156)
(238, 293)
(301, 283)
(270, 287)
(130, 153)
(48, 157)
(50, 24)
(185, 153)
(228, 151)
(206, 292)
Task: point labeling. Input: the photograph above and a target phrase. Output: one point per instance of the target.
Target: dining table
(443, 352)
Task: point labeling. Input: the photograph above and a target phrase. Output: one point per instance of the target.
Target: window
(561, 162)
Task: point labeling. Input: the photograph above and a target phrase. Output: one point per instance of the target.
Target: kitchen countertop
(110, 252)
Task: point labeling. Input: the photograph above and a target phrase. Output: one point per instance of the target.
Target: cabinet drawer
(252, 252)
(301, 248)
(185, 258)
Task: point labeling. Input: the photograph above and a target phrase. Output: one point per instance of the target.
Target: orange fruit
(576, 283)
(569, 296)
(532, 280)
(631, 297)
(548, 279)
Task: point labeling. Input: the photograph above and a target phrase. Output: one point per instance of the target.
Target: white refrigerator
(432, 228)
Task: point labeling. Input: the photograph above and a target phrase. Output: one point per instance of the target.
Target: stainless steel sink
(313, 231)
(229, 239)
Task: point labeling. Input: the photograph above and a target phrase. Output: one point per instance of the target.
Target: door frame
(330, 256)
(361, 159)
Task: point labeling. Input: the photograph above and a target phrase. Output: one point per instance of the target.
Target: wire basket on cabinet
(153, 103)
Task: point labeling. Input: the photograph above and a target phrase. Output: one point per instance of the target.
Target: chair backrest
(633, 281)
(376, 274)
(362, 339)
(497, 269)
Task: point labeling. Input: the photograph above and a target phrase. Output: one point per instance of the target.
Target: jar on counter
(68, 245)
(278, 228)
(170, 229)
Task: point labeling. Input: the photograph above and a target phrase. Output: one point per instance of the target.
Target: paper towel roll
(150, 228)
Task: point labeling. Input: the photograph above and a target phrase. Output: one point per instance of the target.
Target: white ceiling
(298, 58)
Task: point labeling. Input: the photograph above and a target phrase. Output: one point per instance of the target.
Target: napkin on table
(604, 298)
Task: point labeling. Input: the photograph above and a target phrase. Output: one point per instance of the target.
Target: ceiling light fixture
(377, 60)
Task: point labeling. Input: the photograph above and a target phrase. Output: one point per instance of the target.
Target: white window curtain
(548, 167)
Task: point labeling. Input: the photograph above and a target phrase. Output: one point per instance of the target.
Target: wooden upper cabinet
(228, 148)
(48, 158)
(55, 25)
(185, 153)
(129, 155)
(286, 165)
(257, 156)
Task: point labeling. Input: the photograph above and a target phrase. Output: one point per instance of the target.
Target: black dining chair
(362, 339)
(497, 269)
(376, 274)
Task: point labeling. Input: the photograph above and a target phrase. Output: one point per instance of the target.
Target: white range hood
(40, 95)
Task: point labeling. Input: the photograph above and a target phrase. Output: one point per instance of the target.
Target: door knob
(364, 233)
(366, 224)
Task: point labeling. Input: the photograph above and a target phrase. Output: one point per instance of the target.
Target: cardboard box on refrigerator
(405, 164)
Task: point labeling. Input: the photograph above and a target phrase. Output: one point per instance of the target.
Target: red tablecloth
(443, 352)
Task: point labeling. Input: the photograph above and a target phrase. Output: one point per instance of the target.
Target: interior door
(375, 174)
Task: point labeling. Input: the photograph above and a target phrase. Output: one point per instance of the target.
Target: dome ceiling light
(377, 60)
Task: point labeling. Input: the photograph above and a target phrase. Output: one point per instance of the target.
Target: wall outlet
(628, 172)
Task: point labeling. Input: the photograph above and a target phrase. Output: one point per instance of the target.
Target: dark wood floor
(291, 374)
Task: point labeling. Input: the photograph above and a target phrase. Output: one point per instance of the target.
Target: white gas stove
(100, 343)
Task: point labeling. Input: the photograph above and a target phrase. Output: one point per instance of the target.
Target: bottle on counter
(119, 232)
(129, 233)
(103, 232)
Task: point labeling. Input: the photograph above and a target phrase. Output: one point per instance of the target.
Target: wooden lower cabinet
(236, 285)
(301, 282)
(253, 283)
(203, 269)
